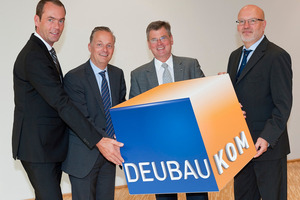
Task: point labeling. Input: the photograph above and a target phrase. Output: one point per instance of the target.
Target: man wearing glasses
(262, 77)
(164, 68)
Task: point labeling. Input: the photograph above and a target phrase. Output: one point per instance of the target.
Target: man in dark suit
(91, 175)
(263, 85)
(164, 68)
(43, 109)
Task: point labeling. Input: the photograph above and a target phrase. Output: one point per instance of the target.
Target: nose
(159, 41)
(104, 48)
(56, 24)
(246, 23)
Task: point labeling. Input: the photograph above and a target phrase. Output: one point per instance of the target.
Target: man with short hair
(43, 109)
(164, 68)
(261, 73)
(91, 175)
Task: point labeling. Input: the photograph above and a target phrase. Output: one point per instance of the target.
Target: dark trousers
(99, 184)
(262, 179)
(189, 196)
(45, 179)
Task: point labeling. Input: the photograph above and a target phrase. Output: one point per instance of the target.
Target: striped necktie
(55, 60)
(107, 105)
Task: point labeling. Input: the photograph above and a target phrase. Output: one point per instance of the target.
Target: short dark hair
(41, 4)
(156, 25)
(101, 28)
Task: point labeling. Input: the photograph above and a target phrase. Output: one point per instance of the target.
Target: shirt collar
(49, 47)
(96, 69)
(254, 46)
(158, 63)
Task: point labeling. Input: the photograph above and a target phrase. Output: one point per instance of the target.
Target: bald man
(261, 73)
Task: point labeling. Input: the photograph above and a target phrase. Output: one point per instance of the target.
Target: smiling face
(251, 33)
(51, 25)
(160, 43)
(102, 48)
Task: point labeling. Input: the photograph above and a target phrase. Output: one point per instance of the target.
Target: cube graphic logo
(187, 136)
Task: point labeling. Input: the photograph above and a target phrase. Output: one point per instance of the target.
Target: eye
(242, 21)
(252, 21)
(163, 38)
(61, 21)
(109, 46)
(153, 40)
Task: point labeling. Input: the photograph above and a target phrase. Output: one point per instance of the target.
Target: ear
(89, 47)
(265, 24)
(149, 44)
(36, 20)
(171, 39)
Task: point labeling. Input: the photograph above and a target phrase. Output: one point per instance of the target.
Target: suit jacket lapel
(235, 65)
(43, 46)
(151, 75)
(178, 69)
(47, 53)
(256, 56)
(93, 84)
(112, 81)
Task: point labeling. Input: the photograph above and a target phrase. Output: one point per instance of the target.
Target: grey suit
(81, 85)
(145, 78)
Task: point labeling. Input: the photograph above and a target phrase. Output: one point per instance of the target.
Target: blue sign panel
(163, 148)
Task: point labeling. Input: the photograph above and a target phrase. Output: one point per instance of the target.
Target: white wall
(205, 30)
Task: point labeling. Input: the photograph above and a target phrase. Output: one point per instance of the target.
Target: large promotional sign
(188, 136)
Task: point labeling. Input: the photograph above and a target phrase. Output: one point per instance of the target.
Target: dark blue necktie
(244, 62)
(107, 105)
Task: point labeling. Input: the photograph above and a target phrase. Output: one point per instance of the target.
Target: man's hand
(244, 112)
(110, 149)
(221, 73)
(261, 146)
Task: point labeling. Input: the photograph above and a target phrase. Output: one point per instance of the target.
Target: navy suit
(81, 85)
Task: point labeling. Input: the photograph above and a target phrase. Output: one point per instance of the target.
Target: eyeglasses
(250, 21)
(155, 40)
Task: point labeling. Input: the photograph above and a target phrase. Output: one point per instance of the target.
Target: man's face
(160, 43)
(102, 48)
(251, 33)
(51, 24)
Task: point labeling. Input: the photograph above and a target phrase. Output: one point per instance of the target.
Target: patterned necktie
(167, 78)
(244, 62)
(55, 60)
(107, 105)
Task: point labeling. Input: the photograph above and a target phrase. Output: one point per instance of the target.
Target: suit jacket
(42, 109)
(264, 88)
(144, 77)
(81, 85)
